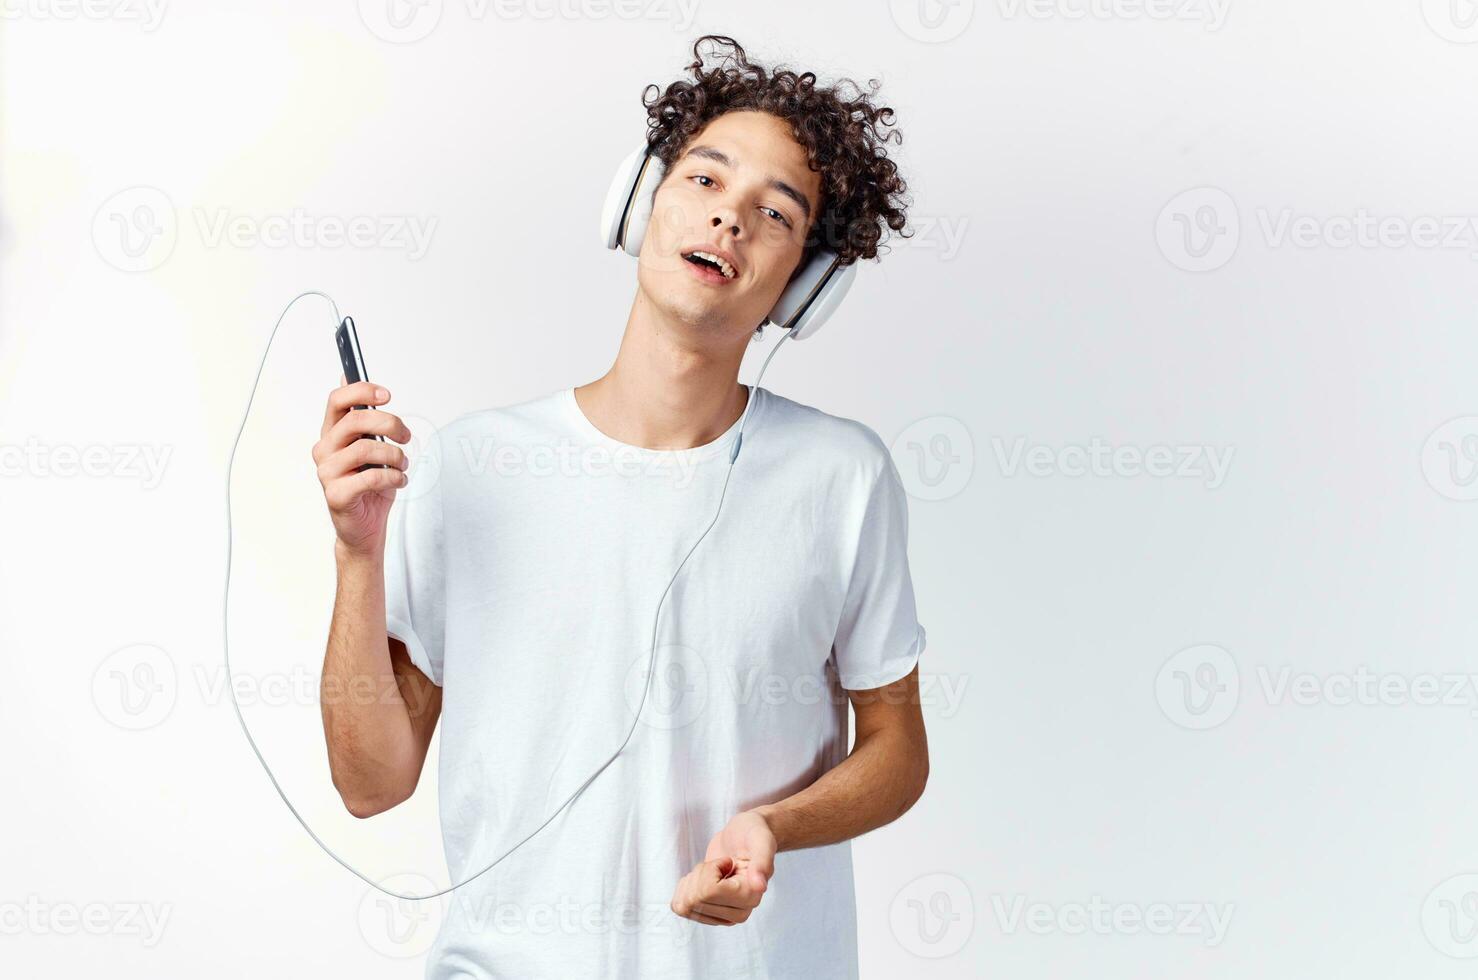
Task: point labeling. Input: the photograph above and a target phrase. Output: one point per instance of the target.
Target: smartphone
(351, 358)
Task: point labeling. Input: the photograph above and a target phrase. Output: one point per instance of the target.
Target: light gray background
(1150, 694)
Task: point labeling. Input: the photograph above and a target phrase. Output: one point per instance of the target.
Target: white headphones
(805, 304)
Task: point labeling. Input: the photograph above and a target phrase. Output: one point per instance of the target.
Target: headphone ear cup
(628, 206)
(811, 297)
(618, 196)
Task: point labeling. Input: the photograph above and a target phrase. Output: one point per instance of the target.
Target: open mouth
(711, 263)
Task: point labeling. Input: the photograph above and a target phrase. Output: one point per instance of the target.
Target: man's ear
(816, 237)
(806, 255)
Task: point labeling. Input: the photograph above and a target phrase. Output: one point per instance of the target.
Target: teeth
(726, 268)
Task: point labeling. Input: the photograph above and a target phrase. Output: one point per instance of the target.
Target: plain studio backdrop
(1178, 369)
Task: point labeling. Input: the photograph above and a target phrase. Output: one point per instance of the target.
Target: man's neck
(665, 391)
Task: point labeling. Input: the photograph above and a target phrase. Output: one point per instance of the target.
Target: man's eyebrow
(719, 156)
(712, 154)
(793, 194)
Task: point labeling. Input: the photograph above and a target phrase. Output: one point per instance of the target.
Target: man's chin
(708, 315)
(701, 309)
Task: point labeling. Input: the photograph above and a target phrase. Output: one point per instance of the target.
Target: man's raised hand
(358, 502)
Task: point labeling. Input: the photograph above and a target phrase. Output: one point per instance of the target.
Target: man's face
(742, 191)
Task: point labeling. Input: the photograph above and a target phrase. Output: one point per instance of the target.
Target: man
(512, 592)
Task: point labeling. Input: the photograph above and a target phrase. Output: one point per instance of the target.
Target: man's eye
(703, 177)
(776, 214)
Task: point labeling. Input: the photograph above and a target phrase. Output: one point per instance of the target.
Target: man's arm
(876, 784)
(379, 710)
(879, 780)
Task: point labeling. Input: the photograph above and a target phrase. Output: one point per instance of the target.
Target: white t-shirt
(523, 566)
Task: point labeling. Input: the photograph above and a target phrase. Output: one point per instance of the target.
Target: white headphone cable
(651, 658)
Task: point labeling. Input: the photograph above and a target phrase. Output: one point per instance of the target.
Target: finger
(740, 891)
(716, 869)
(690, 890)
(729, 875)
(360, 453)
(371, 422)
(707, 920)
(740, 907)
(723, 913)
(342, 493)
(343, 398)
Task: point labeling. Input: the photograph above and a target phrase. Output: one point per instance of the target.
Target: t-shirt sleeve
(879, 637)
(415, 566)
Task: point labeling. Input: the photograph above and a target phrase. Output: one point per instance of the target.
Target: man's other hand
(728, 884)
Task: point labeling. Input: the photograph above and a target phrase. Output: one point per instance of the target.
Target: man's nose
(725, 219)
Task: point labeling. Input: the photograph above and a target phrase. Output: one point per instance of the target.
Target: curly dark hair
(840, 127)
